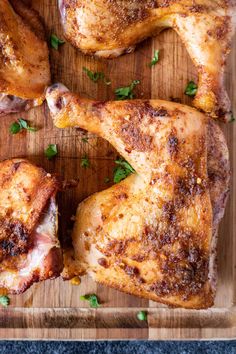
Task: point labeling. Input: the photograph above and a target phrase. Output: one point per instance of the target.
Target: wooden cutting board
(53, 310)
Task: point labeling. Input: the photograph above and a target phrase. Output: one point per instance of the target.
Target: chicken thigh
(154, 234)
(29, 247)
(110, 28)
(24, 62)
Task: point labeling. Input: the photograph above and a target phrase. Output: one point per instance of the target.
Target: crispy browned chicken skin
(24, 62)
(109, 28)
(154, 234)
(29, 247)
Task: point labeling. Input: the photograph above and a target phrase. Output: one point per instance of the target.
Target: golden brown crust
(22, 50)
(153, 234)
(122, 16)
(24, 193)
(109, 28)
(30, 17)
(29, 246)
(202, 300)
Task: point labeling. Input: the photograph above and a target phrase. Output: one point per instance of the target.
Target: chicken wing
(29, 247)
(154, 234)
(24, 62)
(110, 28)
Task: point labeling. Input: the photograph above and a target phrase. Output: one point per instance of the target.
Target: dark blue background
(133, 347)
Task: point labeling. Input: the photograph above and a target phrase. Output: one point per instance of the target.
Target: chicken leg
(24, 62)
(110, 28)
(29, 246)
(154, 234)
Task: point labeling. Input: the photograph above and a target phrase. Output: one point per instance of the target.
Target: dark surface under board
(117, 347)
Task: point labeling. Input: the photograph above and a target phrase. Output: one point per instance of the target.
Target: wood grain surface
(53, 310)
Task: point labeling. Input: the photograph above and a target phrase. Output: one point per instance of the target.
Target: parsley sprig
(155, 58)
(19, 125)
(191, 89)
(122, 170)
(55, 41)
(142, 316)
(96, 76)
(85, 163)
(93, 300)
(126, 93)
(4, 300)
(51, 151)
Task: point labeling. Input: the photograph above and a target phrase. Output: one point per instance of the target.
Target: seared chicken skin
(154, 234)
(24, 62)
(110, 28)
(29, 247)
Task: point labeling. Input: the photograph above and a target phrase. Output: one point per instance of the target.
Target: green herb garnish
(4, 300)
(96, 76)
(55, 42)
(126, 93)
(93, 300)
(15, 128)
(21, 124)
(122, 170)
(51, 151)
(191, 89)
(85, 163)
(142, 316)
(155, 58)
(232, 119)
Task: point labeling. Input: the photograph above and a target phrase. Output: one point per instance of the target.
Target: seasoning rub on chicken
(29, 247)
(109, 28)
(154, 234)
(24, 62)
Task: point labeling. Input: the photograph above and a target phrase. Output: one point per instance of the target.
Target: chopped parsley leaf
(56, 42)
(4, 300)
(15, 128)
(122, 170)
(142, 316)
(126, 93)
(96, 76)
(232, 119)
(155, 58)
(93, 300)
(85, 163)
(21, 124)
(191, 89)
(51, 151)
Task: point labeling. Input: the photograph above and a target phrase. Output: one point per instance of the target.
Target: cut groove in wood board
(115, 318)
(53, 309)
